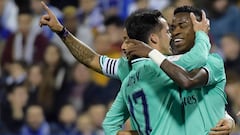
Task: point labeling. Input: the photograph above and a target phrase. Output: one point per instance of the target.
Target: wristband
(63, 33)
(156, 56)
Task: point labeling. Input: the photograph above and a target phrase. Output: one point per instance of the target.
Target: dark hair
(113, 20)
(188, 9)
(12, 88)
(141, 23)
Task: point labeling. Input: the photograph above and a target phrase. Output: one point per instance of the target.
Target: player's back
(152, 99)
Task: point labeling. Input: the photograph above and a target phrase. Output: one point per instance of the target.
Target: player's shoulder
(215, 59)
(147, 66)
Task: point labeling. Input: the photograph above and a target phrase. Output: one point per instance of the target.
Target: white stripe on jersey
(109, 66)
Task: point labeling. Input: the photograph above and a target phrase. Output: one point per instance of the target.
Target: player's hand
(137, 48)
(50, 20)
(223, 127)
(125, 132)
(203, 25)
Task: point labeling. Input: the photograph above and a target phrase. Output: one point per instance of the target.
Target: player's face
(164, 38)
(124, 44)
(182, 33)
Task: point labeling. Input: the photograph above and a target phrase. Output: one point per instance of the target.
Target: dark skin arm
(184, 79)
(80, 50)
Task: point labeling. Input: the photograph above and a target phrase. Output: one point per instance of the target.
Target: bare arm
(184, 79)
(80, 50)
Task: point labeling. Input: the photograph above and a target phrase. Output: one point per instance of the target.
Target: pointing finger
(46, 8)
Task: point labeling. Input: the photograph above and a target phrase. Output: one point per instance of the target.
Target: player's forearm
(180, 76)
(183, 78)
(82, 52)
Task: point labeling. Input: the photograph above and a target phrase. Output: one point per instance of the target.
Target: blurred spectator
(4, 31)
(160, 5)
(224, 19)
(38, 10)
(35, 82)
(230, 46)
(52, 96)
(27, 44)
(114, 27)
(233, 92)
(12, 111)
(168, 11)
(8, 17)
(55, 66)
(35, 122)
(67, 120)
(83, 90)
(110, 7)
(90, 15)
(60, 4)
(151, 4)
(102, 45)
(138, 4)
(17, 73)
(97, 112)
(85, 125)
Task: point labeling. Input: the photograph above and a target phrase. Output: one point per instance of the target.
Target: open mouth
(178, 41)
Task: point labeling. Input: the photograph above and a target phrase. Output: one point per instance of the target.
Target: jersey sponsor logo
(189, 100)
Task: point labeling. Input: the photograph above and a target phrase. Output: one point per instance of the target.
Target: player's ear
(153, 39)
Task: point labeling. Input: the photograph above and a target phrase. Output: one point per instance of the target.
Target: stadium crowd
(45, 91)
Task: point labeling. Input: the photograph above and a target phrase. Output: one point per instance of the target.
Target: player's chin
(179, 49)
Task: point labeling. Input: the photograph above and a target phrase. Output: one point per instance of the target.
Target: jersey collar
(139, 59)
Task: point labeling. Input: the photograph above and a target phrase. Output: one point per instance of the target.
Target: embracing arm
(184, 79)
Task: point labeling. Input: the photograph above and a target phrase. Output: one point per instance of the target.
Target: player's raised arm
(79, 50)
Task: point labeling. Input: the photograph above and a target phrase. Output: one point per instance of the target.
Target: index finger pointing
(46, 8)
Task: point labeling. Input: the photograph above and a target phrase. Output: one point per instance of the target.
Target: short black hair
(188, 9)
(141, 23)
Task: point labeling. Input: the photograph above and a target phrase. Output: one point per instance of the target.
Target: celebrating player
(83, 53)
